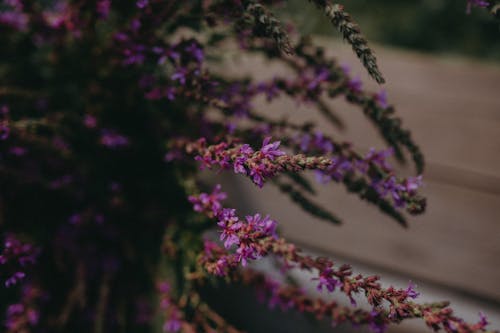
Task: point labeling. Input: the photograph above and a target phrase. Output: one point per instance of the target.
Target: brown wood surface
(452, 106)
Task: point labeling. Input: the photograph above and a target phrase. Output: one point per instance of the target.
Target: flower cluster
(374, 166)
(389, 305)
(172, 314)
(436, 315)
(25, 315)
(16, 257)
(242, 234)
(259, 165)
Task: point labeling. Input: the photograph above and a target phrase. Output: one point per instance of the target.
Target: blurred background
(443, 76)
(433, 26)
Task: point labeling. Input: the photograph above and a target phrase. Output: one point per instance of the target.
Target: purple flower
(18, 151)
(113, 140)
(14, 19)
(476, 3)
(355, 85)
(257, 173)
(211, 203)
(142, 3)
(413, 183)
(270, 89)
(376, 322)
(19, 255)
(195, 51)
(245, 152)
(134, 55)
(271, 150)
(221, 266)
(239, 165)
(135, 24)
(172, 325)
(245, 253)
(75, 219)
(483, 322)
(4, 131)
(411, 292)
(230, 225)
(317, 142)
(264, 225)
(322, 75)
(381, 99)
(379, 158)
(15, 309)
(180, 75)
(90, 121)
(14, 279)
(103, 7)
(170, 93)
(327, 280)
(337, 170)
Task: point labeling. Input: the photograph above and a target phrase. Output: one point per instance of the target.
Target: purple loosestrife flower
(376, 322)
(142, 3)
(271, 150)
(134, 55)
(112, 139)
(209, 202)
(327, 280)
(230, 225)
(173, 319)
(315, 142)
(103, 8)
(180, 75)
(337, 170)
(90, 121)
(172, 325)
(14, 279)
(75, 219)
(322, 75)
(412, 184)
(264, 225)
(235, 232)
(259, 165)
(14, 19)
(135, 24)
(483, 321)
(322, 143)
(271, 90)
(355, 85)
(392, 187)
(378, 158)
(381, 99)
(245, 152)
(24, 315)
(411, 292)
(18, 151)
(17, 256)
(195, 51)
